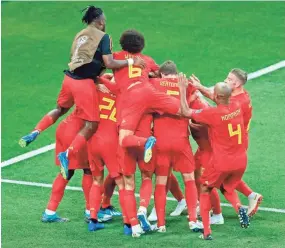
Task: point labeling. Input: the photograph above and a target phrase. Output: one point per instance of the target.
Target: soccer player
(236, 80)
(173, 151)
(90, 55)
(229, 159)
(138, 97)
(65, 133)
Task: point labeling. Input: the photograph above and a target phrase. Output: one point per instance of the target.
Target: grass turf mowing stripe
(46, 185)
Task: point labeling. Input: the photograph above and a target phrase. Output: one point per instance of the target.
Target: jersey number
(248, 125)
(172, 92)
(134, 72)
(236, 132)
(109, 106)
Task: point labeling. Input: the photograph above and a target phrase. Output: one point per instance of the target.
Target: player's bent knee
(188, 177)
(124, 133)
(147, 175)
(129, 182)
(162, 180)
(98, 180)
(120, 182)
(70, 174)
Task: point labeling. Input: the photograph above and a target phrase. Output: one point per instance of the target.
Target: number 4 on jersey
(236, 132)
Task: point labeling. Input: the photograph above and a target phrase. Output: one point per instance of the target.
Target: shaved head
(222, 92)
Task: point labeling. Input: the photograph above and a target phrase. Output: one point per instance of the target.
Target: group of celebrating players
(142, 114)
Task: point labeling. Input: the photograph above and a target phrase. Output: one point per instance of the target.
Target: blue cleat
(62, 157)
(46, 218)
(101, 217)
(86, 217)
(26, 140)
(127, 230)
(144, 222)
(243, 218)
(110, 211)
(94, 226)
(148, 148)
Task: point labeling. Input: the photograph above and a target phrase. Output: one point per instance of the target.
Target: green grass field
(205, 38)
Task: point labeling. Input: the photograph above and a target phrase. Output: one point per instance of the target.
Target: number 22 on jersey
(110, 105)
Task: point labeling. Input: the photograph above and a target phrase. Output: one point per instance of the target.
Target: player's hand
(108, 75)
(103, 88)
(138, 61)
(194, 81)
(182, 81)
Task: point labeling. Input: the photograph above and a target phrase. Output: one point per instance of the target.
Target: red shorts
(229, 179)
(176, 154)
(202, 158)
(144, 98)
(83, 94)
(103, 152)
(130, 157)
(65, 133)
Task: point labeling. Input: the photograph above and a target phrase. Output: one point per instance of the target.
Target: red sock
(133, 141)
(77, 144)
(174, 188)
(198, 185)
(160, 203)
(109, 187)
(44, 123)
(145, 192)
(131, 207)
(191, 199)
(244, 189)
(215, 201)
(123, 207)
(233, 199)
(87, 181)
(57, 192)
(205, 206)
(95, 200)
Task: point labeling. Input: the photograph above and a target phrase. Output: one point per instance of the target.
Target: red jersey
(107, 128)
(126, 76)
(144, 128)
(169, 126)
(244, 100)
(226, 132)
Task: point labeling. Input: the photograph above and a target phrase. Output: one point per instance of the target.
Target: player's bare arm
(112, 63)
(207, 92)
(183, 84)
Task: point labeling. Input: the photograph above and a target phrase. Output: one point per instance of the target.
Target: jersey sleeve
(106, 43)
(205, 116)
(153, 65)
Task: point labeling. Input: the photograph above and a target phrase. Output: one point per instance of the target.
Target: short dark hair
(168, 68)
(132, 41)
(240, 74)
(91, 13)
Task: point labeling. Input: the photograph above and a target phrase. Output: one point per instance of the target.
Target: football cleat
(243, 218)
(160, 229)
(94, 226)
(110, 211)
(144, 222)
(196, 226)
(254, 204)
(26, 140)
(148, 148)
(217, 219)
(181, 206)
(127, 230)
(137, 231)
(207, 237)
(152, 216)
(101, 217)
(46, 218)
(62, 157)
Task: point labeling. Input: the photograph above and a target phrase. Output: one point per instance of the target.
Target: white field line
(46, 185)
(47, 148)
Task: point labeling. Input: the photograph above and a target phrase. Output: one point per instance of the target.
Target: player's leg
(191, 200)
(87, 104)
(57, 192)
(254, 199)
(87, 181)
(217, 216)
(175, 190)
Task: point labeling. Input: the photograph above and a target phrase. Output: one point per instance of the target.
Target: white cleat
(152, 216)
(181, 206)
(160, 229)
(217, 219)
(255, 200)
(137, 231)
(196, 226)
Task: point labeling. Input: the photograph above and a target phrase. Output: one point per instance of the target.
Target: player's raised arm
(183, 84)
(207, 92)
